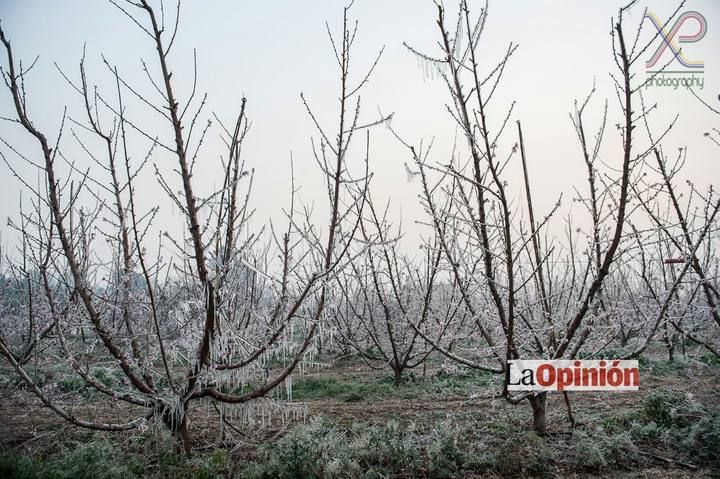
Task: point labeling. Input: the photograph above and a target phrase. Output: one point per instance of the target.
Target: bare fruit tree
(522, 302)
(203, 317)
(383, 292)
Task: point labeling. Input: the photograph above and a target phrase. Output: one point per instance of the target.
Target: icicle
(288, 387)
(222, 421)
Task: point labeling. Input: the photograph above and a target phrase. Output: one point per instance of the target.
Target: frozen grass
(363, 389)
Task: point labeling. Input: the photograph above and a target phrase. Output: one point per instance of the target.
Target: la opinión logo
(574, 375)
(689, 27)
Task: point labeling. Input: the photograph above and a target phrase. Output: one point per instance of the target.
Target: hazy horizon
(271, 52)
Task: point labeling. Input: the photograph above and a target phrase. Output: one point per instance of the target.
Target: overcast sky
(270, 52)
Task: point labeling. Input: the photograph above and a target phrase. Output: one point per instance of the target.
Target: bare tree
(382, 293)
(521, 304)
(201, 318)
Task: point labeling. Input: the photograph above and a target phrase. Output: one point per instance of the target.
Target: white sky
(272, 51)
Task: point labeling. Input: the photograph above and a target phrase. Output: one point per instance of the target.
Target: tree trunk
(179, 430)
(669, 344)
(398, 376)
(571, 417)
(537, 402)
(184, 437)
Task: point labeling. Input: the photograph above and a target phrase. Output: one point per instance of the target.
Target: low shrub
(97, 459)
(667, 408)
(322, 450)
(315, 450)
(680, 423)
(596, 450)
(518, 454)
(702, 438)
(101, 459)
